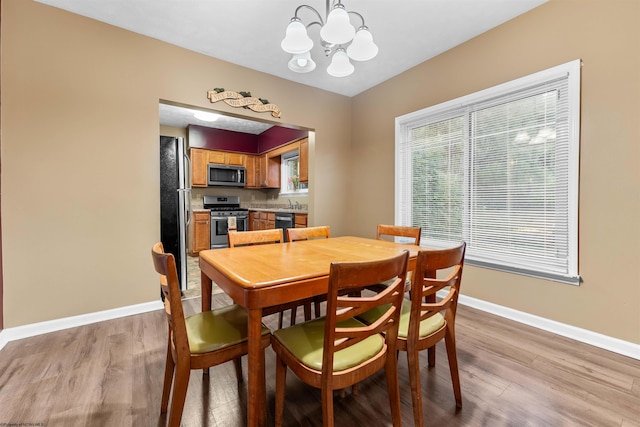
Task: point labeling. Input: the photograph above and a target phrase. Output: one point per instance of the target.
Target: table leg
(256, 411)
(205, 291)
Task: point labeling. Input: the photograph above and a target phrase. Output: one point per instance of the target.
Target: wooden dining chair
(198, 341)
(262, 237)
(411, 236)
(307, 233)
(336, 351)
(424, 322)
(255, 237)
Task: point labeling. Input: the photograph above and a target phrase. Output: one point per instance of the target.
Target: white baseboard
(26, 331)
(615, 345)
(599, 340)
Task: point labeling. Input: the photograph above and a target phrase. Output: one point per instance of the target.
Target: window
(289, 175)
(498, 169)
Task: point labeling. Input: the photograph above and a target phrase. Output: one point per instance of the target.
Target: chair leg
(317, 307)
(431, 354)
(450, 342)
(280, 316)
(294, 313)
(307, 311)
(180, 385)
(168, 379)
(237, 362)
(393, 388)
(281, 379)
(414, 381)
(327, 406)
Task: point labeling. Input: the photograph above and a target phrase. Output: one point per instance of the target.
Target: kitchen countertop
(285, 210)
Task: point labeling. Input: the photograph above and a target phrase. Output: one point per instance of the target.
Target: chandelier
(337, 35)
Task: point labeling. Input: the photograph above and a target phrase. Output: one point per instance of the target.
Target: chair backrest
(255, 237)
(425, 284)
(344, 302)
(306, 233)
(165, 266)
(399, 231)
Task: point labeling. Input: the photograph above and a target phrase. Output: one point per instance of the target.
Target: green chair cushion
(306, 341)
(427, 326)
(219, 328)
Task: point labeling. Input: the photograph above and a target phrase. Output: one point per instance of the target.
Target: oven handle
(216, 218)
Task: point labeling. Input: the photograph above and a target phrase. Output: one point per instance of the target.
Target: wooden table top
(260, 266)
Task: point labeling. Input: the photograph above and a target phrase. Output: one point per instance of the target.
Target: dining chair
(411, 234)
(255, 237)
(424, 321)
(307, 233)
(387, 232)
(261, 237)
(198, 341)
(336, 351)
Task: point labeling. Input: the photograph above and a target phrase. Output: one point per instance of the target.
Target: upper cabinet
(269, 171)
(199, 160)
(303, 162)
(262, 171)
(226, 158)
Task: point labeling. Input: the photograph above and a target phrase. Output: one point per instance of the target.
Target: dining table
(261, 277)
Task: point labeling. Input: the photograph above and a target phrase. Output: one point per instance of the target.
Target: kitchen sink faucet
(290, 205)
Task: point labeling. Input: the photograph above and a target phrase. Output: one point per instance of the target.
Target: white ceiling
(249, 32)
(181, 117)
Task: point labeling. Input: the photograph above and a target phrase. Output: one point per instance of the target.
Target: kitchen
(237, 173)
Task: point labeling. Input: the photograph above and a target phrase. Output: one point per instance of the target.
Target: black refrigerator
(175, 201)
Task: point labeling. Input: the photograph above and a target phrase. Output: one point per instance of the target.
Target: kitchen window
(498, 169)
(290, 176)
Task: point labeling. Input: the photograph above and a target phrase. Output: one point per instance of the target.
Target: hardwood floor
(110, 374)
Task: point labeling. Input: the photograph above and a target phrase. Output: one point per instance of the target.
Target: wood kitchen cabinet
(262, 220)
(271, 220)
(226, 158)
(200, 232)
(269, 171)
(254, 220)
(252, 164)
(199, 160)
(303, 160)
(300, 220)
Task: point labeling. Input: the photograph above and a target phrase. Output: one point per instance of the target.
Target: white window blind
(498, 169)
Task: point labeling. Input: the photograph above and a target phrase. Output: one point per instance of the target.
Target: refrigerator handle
(188, 192)
(189, 209)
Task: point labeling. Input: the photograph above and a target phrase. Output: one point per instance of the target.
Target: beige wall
(605, 35)
(80, 146)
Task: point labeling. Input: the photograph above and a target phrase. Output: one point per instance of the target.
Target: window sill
(569, 280)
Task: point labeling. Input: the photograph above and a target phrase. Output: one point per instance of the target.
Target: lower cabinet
(200, 232)
(300, 220)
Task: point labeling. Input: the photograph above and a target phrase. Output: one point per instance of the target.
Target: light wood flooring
(110, 374)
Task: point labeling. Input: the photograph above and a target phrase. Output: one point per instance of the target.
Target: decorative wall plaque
(244, 100)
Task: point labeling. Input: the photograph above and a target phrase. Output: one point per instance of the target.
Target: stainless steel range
(222, 208)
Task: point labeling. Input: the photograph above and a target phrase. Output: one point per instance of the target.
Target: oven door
(220, 229)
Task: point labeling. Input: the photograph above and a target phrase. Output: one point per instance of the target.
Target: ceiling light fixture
(206, 117)
(335, 32)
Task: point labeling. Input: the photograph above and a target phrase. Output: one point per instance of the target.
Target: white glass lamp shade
(338, 29)
(296, 40)
(340, 65)
(302, 63)
(362, 48)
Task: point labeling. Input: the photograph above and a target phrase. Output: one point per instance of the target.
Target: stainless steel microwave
(227, 176)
